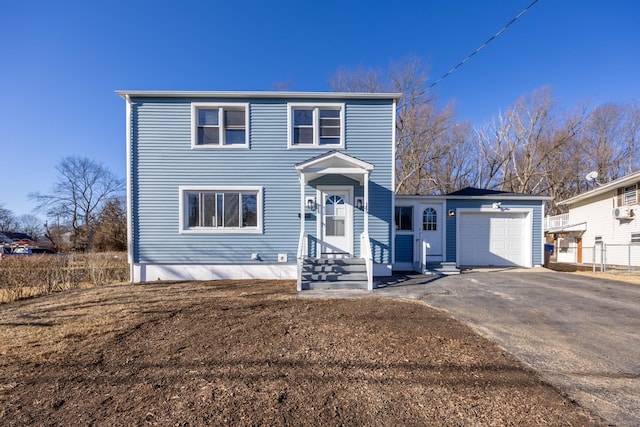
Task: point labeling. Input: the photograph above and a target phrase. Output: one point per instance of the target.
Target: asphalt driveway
(581, 334)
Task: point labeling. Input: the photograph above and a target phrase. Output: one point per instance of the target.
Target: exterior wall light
(311, 204)
(359, 202)
(452, 213)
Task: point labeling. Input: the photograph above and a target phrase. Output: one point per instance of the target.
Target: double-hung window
(219, 125)
(221, 209)
(316, 125)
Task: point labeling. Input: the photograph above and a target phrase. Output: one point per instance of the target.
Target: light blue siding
(162, 160)
(404, 248)
(536, 205)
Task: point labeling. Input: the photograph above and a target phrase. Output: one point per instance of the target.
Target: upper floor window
(404, 218)
(430, 220)
(629, 195)
(316, 125)
(221, 209)
(219, 125)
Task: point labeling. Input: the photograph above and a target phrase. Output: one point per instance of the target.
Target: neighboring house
(20, 238)
(471, 227)
(602, 225)
(286, 185)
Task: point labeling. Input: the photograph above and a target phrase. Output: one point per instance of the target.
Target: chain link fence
(603, 257)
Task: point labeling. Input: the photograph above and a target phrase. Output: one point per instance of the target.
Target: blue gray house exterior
(471, 228)
(252, 184)
(295, 185)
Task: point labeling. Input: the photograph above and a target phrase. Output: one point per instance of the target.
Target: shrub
(27, 276)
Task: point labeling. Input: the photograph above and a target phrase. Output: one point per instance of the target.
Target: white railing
(301, 256)
(366, 254)
(556, 221)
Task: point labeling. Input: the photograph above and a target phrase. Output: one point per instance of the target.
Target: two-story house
(291, 185)
(601, 226)
(252, 184)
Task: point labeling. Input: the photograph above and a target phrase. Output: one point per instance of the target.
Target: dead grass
(29, 276)
(633, 278)
(252, 353)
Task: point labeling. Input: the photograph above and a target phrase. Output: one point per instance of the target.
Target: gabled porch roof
(334, 162)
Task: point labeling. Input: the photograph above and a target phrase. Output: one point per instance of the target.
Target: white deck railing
(556, 221)
(367, 255)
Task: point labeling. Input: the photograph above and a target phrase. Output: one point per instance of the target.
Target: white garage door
(493, 239)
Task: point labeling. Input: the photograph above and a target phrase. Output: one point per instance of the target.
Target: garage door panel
(493, 239)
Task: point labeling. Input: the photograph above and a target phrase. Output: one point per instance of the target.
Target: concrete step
(336, 261)
(334, 273)
(338, 269)
(445, 268)
(335, 285)
(334, 276)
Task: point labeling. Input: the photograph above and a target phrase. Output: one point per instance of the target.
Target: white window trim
(184, 209)
(316, 125)
(195, 106)
(632, 195)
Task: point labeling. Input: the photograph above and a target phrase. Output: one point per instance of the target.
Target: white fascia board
(620, 182)
(257, 94)
(348, 160)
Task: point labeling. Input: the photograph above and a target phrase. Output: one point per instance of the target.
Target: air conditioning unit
(623, 212)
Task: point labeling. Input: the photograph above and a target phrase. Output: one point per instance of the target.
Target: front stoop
(336, 273)
(445, 268)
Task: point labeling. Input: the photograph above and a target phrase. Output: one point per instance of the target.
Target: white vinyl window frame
(316, 125)
(222, 126)
(629, 195)
(186, 190)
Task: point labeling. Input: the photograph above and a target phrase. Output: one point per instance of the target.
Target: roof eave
(486, 197)
(620, 182)
(256, 94)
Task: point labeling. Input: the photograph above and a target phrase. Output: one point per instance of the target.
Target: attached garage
(490, 238)
(472, 227)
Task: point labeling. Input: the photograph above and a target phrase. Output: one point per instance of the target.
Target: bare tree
(421, 125)
(457, 166)
(358, 80)
(31, 225)
(531, 140)
(81, 190)
(602, 142)
(494, 152)
(631, 135)
(7, 219)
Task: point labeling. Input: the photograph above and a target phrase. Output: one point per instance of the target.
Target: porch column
(366, 203)
(302, 206)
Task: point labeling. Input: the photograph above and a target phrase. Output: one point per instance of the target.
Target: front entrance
(431, 230)
(335, 222)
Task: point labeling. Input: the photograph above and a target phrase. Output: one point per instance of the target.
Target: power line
(484, 44)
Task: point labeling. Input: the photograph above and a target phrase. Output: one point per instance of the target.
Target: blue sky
(60, 62)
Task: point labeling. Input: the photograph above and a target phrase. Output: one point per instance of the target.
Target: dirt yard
(238, 353)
